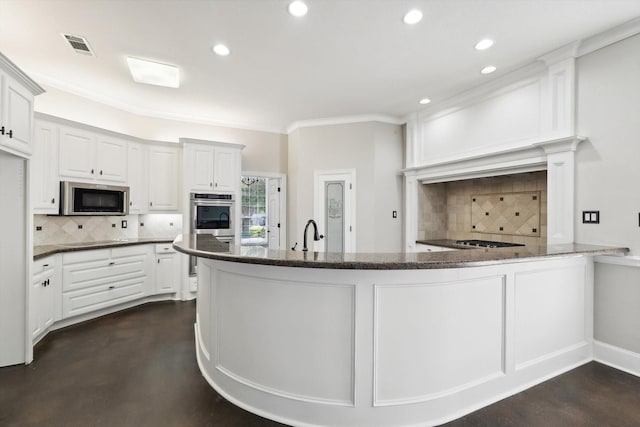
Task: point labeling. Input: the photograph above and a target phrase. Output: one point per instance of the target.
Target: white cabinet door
(137, 179)
(167, 269)
(111, 161)
(77, 153)
(45, 189)
(226, 171)
(164, 182)
(16, 117)
(42, 297)
(200, 173)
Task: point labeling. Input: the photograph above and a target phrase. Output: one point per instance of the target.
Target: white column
(410, 212)
(560, 188)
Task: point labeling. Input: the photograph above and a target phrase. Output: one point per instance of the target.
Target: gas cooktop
(486, 243)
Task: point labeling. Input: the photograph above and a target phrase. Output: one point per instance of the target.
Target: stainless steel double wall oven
(212, 214)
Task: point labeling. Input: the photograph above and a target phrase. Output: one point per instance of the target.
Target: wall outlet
(124, 223)
(394, 214)
(591, 217)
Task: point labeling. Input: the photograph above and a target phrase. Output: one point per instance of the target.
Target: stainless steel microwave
(80, 198)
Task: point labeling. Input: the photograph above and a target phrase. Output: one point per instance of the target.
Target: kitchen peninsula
(388, 339)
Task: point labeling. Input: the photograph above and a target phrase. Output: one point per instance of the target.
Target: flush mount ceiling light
(425, 101)
(298, 8)
(221, 50)
(154, 73)
(412, 17)
(488, 70)
(484, 44)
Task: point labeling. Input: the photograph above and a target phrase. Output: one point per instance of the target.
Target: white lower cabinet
(167, 269)
(44, 309)
(81, 282)
(96, 279)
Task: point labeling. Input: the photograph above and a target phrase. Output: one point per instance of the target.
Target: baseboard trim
(616, 357)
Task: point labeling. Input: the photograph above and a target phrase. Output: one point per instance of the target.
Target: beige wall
(264, 152)
(374, 150)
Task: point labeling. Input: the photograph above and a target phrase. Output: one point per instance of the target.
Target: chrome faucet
(316, 236)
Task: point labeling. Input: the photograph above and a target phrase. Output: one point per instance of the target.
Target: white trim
(350, 220)
(616, 357)
(609, 37)
(283, 200)
(627, 261)
(20, 75)
(341, 120)
(208, 142)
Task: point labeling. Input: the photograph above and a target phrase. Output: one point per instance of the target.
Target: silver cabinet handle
(112, 287)
(53, 200)
(112, 263)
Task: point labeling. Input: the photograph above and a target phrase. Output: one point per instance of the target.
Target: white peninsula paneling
(548, 307)
(442, 357)
(306, 327)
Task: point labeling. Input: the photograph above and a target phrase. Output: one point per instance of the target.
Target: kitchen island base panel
(307, 346)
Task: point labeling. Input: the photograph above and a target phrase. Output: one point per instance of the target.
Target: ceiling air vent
(79, 44)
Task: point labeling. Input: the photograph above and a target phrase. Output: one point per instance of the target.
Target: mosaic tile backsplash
(51, 230)
(445, 208)
(506, 213)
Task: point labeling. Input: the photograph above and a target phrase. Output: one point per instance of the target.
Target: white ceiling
(345, 58)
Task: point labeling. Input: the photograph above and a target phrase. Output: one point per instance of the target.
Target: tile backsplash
(50, 230)
(445, 209)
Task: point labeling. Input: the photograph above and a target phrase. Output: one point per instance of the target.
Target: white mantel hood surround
(523, 122)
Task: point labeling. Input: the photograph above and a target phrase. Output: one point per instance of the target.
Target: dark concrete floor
(138, 368)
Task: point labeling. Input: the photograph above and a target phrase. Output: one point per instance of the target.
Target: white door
(274, 226)
(334, 207)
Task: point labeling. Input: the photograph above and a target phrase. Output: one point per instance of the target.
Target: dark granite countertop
(206, 246)
(46, 250)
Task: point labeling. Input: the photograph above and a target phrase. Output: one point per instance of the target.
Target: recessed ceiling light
(425, 101)
(488, 70)
(412, 17)
(298, 8)
(484, 44)
(154, 73)
(221, 50)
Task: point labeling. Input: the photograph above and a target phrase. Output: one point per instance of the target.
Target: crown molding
(611, 36)
(20, 75)
(383, 118)
(146, 112)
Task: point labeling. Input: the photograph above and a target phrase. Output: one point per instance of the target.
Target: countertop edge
(56, 249)
(397, 265)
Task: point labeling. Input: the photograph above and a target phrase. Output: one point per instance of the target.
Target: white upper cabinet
(111, 161)
(226, 169)
(201, 167)
(87, 156)
(16, 125)
(45, 186)
(211, 168)
(17, 91)
(164, 181)
(137, 178)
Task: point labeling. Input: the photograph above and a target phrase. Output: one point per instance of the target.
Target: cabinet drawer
(127, 251)
(165, 248)
(85, 255)
(43, 264)
(87, 300)
(96, 273)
